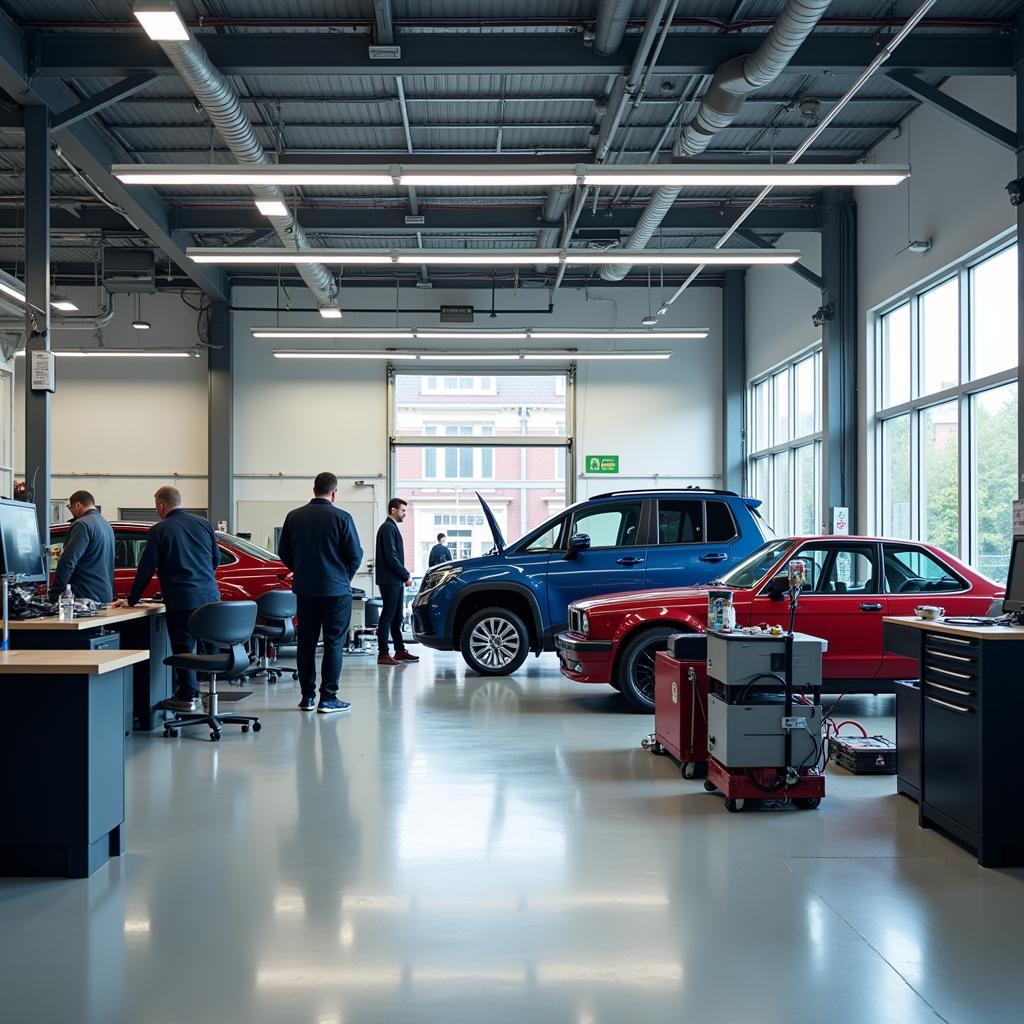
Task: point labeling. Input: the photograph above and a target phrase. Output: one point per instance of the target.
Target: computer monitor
(1014, 600)
(19, 542)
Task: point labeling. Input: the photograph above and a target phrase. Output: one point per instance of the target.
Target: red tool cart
(681, 703)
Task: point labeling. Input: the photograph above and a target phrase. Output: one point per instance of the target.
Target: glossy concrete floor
(500, 850)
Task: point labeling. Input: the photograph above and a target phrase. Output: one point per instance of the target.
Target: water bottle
(66, 605)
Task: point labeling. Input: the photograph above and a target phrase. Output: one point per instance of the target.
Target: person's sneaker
(178, 704)
(307, 704)
(330, 707)
(405, 656)
(386, 659)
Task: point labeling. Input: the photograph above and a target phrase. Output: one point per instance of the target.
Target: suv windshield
(746, 573)
(247, 546)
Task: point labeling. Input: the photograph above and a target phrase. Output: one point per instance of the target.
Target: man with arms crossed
(320, 545)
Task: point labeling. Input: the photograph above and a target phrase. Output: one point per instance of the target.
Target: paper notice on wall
(1018, 518)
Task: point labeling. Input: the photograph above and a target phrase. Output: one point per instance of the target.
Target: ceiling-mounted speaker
(129, 270)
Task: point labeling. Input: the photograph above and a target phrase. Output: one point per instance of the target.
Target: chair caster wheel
(709, 786)
(256, 726)
(734, 805)
(214, 736)
(295, 675)
(170, 732)
(245, 728)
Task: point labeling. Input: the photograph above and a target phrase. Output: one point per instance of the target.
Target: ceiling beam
(383, 23)
(85, 55)
(798, 268)
(961, 112)
(89, 148)
(101, 100)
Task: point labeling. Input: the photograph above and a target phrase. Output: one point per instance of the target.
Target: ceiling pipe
(612, 21)
(221, 103)
(731, 84)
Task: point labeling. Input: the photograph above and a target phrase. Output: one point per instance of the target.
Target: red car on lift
(246, 570)
(852, 583)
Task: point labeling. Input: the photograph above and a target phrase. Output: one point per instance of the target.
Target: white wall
(780, 305)
(957, 199)
(123, 427)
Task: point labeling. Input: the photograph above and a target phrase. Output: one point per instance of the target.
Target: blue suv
(498, 608)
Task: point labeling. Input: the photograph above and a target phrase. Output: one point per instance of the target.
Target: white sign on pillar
(840, 521)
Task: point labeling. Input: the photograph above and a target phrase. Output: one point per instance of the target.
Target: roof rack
(663, 490)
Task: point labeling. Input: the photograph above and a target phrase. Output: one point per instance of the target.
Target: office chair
(275, 611)
(226, 625)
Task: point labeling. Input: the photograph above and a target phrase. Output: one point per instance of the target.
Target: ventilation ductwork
(612, 21)
(220, 102)
(732, 83)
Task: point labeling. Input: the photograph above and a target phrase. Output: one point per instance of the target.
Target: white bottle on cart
(66, 605)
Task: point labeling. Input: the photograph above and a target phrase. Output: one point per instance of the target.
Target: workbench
(62, 759)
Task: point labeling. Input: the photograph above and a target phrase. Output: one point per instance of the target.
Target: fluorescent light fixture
(474, 357)
(575, 356)
(696, 334)
(330, 312)
(350, 257)
(11, 291)
(110, 353)
(233, 174)
(731, 175)
(491, 257)
(161, 21)
(682, 257)
(475, 335)
(271, 207)
(345, 355)
(513, 175)
(280, 334)
(64, 304)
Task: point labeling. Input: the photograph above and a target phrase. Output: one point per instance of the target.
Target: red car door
(841, 604)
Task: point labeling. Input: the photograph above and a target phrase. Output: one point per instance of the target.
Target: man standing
(87, 561)
(320, 545)
(439, 552)
(182, 550)
(391, 575)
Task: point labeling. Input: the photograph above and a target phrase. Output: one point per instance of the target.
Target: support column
(1019, 82)
(37, 309)
(734, 383)
(839, 355)
(220, 461)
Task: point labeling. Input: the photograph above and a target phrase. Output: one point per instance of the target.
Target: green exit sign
(602, 463)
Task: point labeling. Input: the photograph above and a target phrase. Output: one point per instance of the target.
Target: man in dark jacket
(391, 575)
(87, 561)
(320, 545)
(182, 550)
(439, 553)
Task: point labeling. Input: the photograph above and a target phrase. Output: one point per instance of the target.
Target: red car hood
(630, 600)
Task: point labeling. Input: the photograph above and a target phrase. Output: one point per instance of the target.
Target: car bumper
(424, 628)
(584, 661)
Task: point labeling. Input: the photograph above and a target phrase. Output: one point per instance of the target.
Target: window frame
(596, 508)
(917, 407)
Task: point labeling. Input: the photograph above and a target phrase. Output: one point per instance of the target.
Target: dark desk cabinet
(908, 739)
(970, 702)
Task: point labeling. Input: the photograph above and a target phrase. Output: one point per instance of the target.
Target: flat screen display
(1014, 600)
(19, 539)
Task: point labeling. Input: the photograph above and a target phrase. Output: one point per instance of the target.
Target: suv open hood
(499, 541)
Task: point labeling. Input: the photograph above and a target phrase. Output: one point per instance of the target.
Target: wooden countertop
(67, 663)
(971, 632)
(107, 617)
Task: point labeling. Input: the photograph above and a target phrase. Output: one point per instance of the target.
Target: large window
(946, 411)
(784, 443)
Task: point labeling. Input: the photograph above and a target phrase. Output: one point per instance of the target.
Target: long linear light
(492, 257)
(512, 175)
(469, 357)
(523, 334)
(14, 289)
(127, 353)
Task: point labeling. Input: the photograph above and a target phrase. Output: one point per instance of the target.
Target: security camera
(1015, 189)
(823, 315)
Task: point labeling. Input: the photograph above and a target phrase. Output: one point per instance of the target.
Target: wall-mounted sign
(602, 463)
(840, 521)
(456, 314)
(42, 371)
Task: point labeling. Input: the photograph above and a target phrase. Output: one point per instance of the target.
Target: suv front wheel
(495, 642)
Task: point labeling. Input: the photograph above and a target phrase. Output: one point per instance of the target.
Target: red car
(852, 582)
(246, 570)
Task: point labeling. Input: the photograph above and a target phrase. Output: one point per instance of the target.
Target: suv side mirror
(778, 587)
(577, 542)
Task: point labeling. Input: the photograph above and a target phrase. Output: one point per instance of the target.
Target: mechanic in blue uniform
(182, 550)
(87, 562)
(320, 545)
